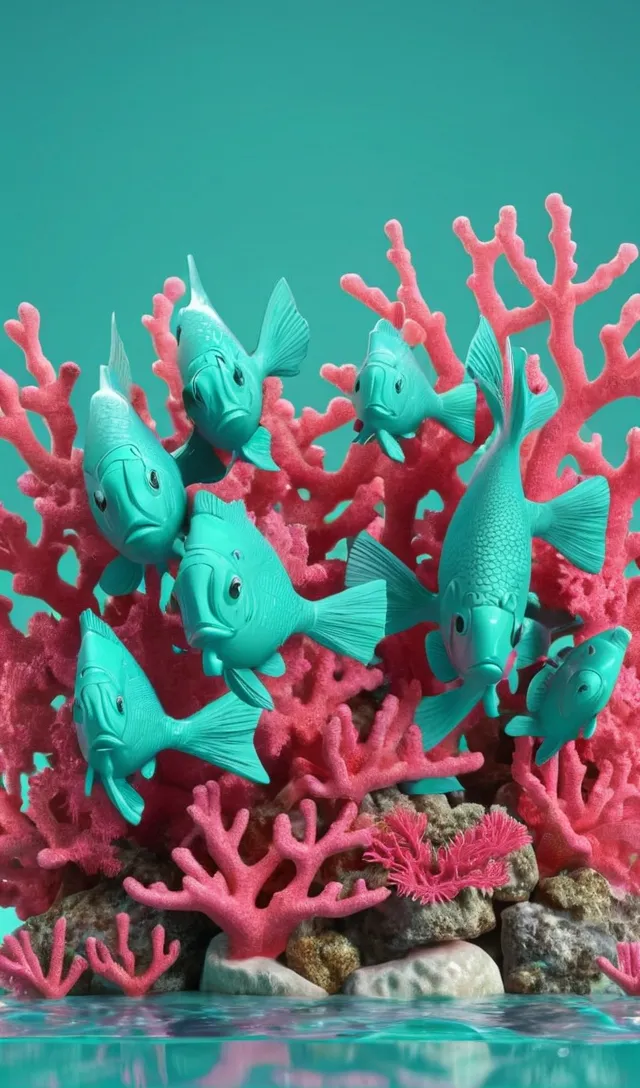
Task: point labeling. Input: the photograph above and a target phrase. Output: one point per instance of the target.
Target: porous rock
(584, 893)
(326, 959)
(92, 912)
(546, 952)
(255, 977)
(457, 969)
(400, 925)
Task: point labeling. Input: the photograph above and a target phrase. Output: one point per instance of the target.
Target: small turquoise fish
(393, 395)
(566, 696)
(222, 391)
(136, 489)
(485, 567)
(122, 727)
(422, 787)
(239, 607)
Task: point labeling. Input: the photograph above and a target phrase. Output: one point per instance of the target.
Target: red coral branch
(124, 975)
(158, 324)
(230, 896)
(20, 969)
(474, 859)
(627, 973)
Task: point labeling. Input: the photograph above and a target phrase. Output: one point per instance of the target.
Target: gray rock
(256, 977)
(92, 912)
(400, 925)
(457, 969)
(546, 952)
(583, 893)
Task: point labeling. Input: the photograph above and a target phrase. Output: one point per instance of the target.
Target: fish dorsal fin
(199, 298)
(385, 337)
(484, 364)
(119, 369)
(234, 513)
(90, 622)
(539, 687)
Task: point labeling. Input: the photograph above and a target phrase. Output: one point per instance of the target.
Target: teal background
(275, 138)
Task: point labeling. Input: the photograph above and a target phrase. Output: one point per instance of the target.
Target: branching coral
(627, 973)
(230, 897)
(475, 858)
(20, 968)
(123, 974)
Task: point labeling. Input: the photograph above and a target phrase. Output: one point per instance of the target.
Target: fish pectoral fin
(390, 446)
(408, 435)
(121, 576)
(123, 797)
(211, 663)
(197, 461)
(257, 451)
(590, 729)
(438, 658)
(522, 726)
(532, 644)
(425, 786)
(491, 702)
(247, 687)
(149, 768)
(575, 523)
(88, 781)
(548, 749)
(274, 666)
(513, 679)
(539, 686)
(438, 715)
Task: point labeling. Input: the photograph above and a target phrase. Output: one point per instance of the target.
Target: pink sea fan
(475, 858)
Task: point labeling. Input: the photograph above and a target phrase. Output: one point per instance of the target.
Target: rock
(382, 802)
(625, 918)
(445, 821)
(326, 959)
(400, 925)
(92, 913)
(523, 874)
(256, 977)
(449, 970)
(549, 953)
(584, 893)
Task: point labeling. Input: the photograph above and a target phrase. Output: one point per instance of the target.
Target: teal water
(189, 1040)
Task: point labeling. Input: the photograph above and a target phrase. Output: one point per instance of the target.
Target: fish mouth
(379, 410)
(620, 637)
(106, 743)
(490, 671)
(205, 631)
(232, 413)
(140, 532)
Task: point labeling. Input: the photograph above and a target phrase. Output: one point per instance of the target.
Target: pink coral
(123, 974)
(475, 858)
(627, 973)
(20, 968)
(231, 896)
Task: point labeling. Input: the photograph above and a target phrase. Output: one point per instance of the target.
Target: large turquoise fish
(485, 566)
(136, 489)
(122, 727)
(223, 384)
(239, 607)
(393, 395)
(566, 696)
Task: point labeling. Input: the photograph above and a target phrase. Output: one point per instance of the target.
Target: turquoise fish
(122, 727)
(239, 607)
(422, 787)
(222, 391)
(393, 395)
(485, 565)
(136, 489)
(566, 696)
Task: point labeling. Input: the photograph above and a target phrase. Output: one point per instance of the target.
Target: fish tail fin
(529, 411)
(284, 337)
(523, 725)
(484, 364)
(408, 602)
(222, 734)
(457, 410)
(352, 622)
(118, 367)
(575, 523)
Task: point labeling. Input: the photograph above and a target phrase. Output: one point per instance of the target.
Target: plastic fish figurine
(393, 395)
(223, 384)
(485, 566)
(425, 786)
(136, 489)
(122, 727)
(566, 696)
(239, 607)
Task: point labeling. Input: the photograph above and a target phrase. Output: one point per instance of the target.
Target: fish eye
(235, 586)
(356, 387)
(120, 704)
(583, 688)
(460, 625)
(153, 480)
(591, 649)
(178, 334)
(100, 501)
(236, 554)
(238, 376)
(398, 385)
